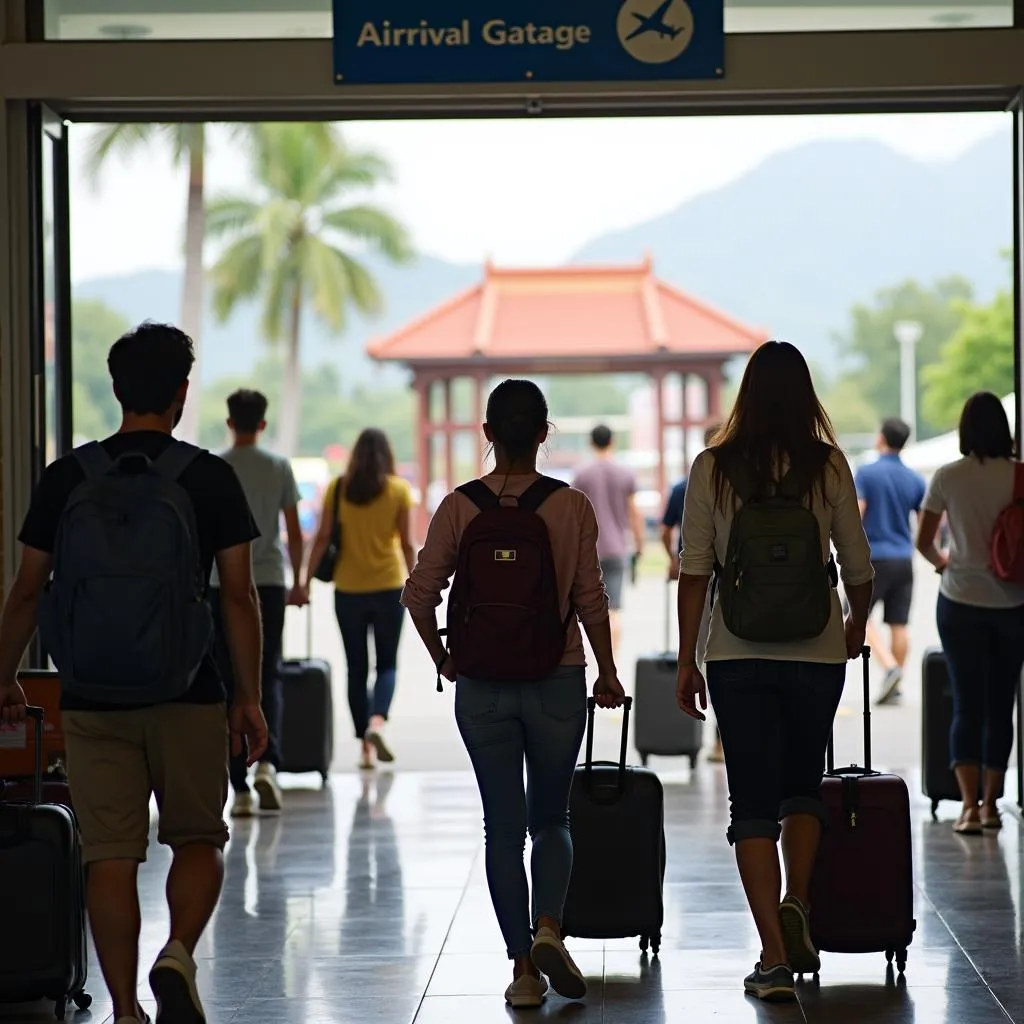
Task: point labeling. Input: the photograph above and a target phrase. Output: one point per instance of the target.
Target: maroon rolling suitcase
(862, 892)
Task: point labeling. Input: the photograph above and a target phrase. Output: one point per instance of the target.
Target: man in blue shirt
(888, 492)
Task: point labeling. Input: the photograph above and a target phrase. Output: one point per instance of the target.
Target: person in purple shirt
(611, 489)
(888, 492)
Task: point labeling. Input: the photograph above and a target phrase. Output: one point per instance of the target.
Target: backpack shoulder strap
(480, 494)
(93, 459)
(539, 491)
(176, 458)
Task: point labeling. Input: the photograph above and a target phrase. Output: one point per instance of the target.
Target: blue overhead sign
(448, 41)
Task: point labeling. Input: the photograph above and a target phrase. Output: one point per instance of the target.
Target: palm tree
(188, 146)
(286, 244)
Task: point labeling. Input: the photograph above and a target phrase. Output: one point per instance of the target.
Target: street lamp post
(908, 334)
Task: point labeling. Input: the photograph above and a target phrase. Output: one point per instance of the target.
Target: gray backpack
(125, 616)
(774, 586)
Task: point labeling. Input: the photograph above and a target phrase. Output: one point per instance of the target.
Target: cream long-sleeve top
(572, 528)
(706, 525)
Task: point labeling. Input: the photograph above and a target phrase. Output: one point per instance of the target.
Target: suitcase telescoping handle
(588, 765)
(865, 658)
(36, 714)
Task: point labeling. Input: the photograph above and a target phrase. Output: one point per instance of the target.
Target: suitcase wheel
(644, 758)
(901, 961)
(60, 1008)
(324, 776)
(935, 808)
(655, 944)
(82, 1000)
(644, 943)
(693, 762)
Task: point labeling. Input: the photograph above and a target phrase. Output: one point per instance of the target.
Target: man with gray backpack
(117, 550)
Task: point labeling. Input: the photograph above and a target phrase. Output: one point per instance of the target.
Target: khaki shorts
(117, 759)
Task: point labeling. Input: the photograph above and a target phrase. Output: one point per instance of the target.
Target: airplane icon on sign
(654, 23)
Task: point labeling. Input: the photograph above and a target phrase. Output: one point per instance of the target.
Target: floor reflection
(366, 902)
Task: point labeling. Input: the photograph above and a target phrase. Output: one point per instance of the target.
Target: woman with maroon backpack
(523, 551)
(981, 603)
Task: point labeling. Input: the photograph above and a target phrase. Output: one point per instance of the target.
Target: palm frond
(237, 274)
(374, 226)
(230, 215)
(113, 140)
(361, 288)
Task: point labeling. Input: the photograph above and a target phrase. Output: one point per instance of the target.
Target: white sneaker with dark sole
(267, 788)
(551, 958)
(243, 806)
(173, 981)
(526, 992)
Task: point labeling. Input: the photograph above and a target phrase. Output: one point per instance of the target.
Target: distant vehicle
(655, 23)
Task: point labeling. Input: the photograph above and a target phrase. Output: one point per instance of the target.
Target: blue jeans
(984, 650)
(357, 614)
(503, 724)
(775, 718)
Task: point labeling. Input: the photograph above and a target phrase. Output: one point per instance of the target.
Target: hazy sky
(521, 192)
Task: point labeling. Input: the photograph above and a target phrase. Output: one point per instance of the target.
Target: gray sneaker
(775, 985)
(796, 934)
(891, 685)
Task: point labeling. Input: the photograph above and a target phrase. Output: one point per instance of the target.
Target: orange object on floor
(18, 748)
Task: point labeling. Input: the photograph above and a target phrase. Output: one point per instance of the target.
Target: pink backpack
(1007, 548)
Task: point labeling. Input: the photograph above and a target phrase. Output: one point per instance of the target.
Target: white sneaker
(267, 789)
(526, 991)
(243, 805)
(384, 753)
(550, 957)
(173, 981)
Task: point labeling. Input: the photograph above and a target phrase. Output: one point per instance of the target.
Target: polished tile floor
(365, 903)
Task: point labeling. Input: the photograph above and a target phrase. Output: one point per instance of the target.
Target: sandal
(967, 826)
(992, 822)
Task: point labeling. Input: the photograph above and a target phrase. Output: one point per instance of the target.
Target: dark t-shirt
(673, 517)
(223, 520)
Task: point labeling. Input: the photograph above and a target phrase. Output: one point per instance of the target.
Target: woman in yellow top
(374, 512)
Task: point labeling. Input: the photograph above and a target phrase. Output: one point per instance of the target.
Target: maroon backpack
(504, 615)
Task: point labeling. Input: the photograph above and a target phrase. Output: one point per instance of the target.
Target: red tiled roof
(565, 312)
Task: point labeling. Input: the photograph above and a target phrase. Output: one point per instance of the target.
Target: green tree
(285, 245)
(979, 357)
(870, 341)
(95, 327)
(187, 144)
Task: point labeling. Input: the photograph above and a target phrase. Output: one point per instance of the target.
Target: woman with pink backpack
(980, 610)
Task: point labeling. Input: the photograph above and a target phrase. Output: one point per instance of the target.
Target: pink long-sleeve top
(572, 527)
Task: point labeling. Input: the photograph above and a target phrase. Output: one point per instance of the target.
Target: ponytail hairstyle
(517, 415)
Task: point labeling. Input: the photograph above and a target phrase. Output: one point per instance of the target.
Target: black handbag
(326, 566)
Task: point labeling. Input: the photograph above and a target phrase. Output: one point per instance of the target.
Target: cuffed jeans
(503, 725)
(272, 606)
(357, 614)
(984, 650)
(775, 719)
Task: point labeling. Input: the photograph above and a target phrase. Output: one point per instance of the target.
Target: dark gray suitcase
(660, 727)
(617, 821)
(43, 946)
(307, 713)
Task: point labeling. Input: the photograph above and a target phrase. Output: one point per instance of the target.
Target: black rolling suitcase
(660, 727)
(307, 712)
(937, 779)
(617, 820)
(43, 945)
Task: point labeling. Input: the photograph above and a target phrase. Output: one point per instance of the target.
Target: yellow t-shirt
(371, 551)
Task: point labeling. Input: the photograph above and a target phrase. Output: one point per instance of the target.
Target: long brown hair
(777, 415)
(369, 466)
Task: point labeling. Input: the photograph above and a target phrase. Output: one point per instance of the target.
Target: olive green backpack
(773, 587)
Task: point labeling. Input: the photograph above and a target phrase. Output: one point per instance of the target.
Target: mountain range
(790, 247)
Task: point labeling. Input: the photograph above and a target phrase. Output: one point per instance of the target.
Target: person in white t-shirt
(980, 617)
